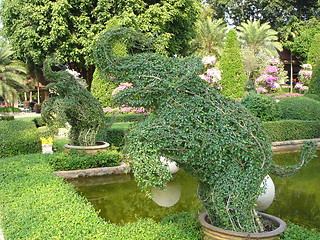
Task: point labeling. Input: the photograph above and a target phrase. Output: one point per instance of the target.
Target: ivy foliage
(233, 75)
(72, 103)
(211, 137)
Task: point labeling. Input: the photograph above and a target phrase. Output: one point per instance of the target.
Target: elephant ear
(307, 153)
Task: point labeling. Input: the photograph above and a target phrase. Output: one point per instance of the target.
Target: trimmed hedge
(114, 135)
(18, 137)
(313, 96)
(262, 106)
(9, 109)
(292, 130)
(7, 117)
(131, 117)
(75, 160)
(300, 108)
(36, 204)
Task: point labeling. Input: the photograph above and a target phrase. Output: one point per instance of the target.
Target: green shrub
(7, 117)
(58, 144)
(292, 130)
(299, 108)
(233, 76)
(262, 106)
(102, 88)
(75, 160)
(35, 204)
(39, 122)
(132, 117)
(18, 137)
(313, 96)
(114, 135)
(9, 109)
(296, 232)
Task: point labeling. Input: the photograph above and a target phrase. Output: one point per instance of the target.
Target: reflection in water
(297, 197)
(123, 201)
(168, 196)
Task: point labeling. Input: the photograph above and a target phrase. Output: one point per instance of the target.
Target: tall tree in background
(233, 77)
(209, 37)
(259, 38)
(314, 59)
(277, 13)
(67, 29)
(12, 75)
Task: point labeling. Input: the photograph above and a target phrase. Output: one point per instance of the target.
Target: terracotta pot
(100, 147)
(212, 232)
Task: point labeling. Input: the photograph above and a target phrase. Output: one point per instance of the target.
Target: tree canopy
(277, 13)
(67, 29)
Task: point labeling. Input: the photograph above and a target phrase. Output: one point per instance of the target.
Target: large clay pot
(100, 147)
(212, 232)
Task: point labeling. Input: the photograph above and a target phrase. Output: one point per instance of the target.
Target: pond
(119, 200)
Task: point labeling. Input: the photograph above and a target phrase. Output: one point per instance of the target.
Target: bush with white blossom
(212, 74)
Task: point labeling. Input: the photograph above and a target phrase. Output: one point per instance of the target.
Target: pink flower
(271, 69)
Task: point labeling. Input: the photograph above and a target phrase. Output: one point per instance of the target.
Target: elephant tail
(307, 153)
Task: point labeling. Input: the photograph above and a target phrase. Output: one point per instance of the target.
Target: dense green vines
(211, 137)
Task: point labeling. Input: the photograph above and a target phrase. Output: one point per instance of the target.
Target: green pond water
(119, 200)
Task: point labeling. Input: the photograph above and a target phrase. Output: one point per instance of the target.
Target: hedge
(36, 204)
(262, 106)
(9, 109)
(75, 160)
(18, 137)
(296, 232)
(7, 117)
(114, 135)
(292, 130)
(131, 117)
(299, 108)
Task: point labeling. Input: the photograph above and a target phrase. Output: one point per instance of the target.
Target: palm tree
(259, 38)
(12, 74)
(210, 36)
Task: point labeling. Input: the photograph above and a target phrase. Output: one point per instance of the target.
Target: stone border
(291, 146)
(123, 168)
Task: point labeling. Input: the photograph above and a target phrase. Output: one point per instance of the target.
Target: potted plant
(211, 137)
(71, 102)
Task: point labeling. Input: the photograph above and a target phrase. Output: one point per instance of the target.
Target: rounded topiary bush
(262, 106)
(300, 108)
(313, 96)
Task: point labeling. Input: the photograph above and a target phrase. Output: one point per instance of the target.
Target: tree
(11, 75)
(259, 38)
(304, 34)
(314, 59)
(67, 29)
(277, 13)
(210, 37)
(233, 76)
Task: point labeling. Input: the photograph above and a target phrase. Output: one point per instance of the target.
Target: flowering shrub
(120, 110)
(213, 75)
(305, 73)
(271, 75)
(300, 87)
(287, 95)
